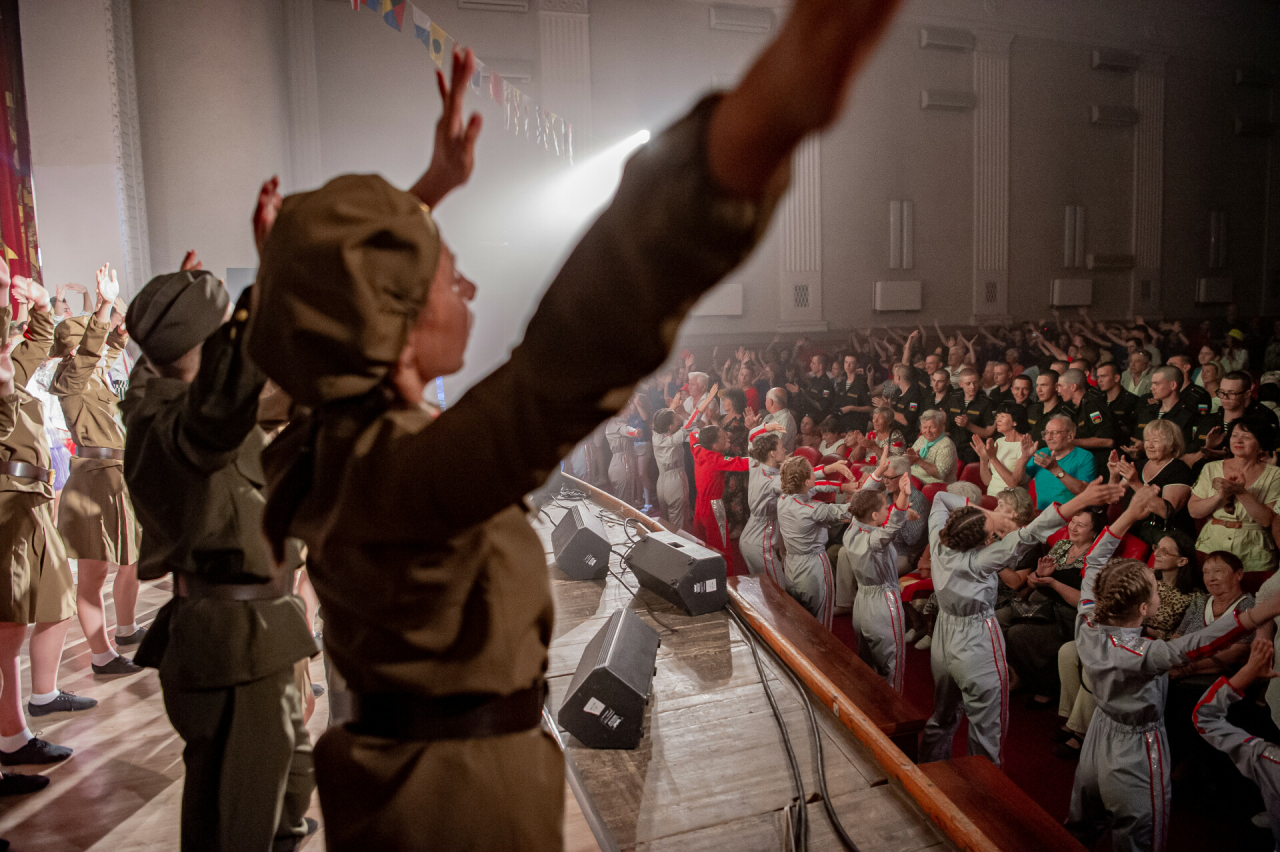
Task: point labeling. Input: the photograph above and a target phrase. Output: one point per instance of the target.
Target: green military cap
(67, 336)
(343, 277)
(175, 312)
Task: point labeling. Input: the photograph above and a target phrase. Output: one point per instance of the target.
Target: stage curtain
(17, 201)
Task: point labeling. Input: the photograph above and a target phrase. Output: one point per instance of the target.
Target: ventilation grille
(741, 19)
(495, 5)
(801, 296)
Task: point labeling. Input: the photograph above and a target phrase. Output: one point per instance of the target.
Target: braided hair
(966, 529)
(866, 503)
(795, 474)
(1123, 585)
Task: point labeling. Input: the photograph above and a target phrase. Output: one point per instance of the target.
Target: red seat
(972, 473)
(916, 483)
(1253, 580)
(809, 453)
(989, 503)
(1131, 547)
(832, 458)
(932, 490)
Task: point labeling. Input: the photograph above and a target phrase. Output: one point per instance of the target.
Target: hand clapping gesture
(454, 154)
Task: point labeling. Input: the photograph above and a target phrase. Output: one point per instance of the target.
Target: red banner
(17, 202)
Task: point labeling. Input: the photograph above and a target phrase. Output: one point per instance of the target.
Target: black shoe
(35, 751)
(118, 666)
(1062, 735)
(317, 690)
(20, 785)
(66, 702)
(133, 638)
(1070, 750)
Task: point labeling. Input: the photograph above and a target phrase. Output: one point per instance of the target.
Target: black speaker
(604, 707)
(581, 544)
(678, 570)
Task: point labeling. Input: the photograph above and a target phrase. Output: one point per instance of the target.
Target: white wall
(66, 65)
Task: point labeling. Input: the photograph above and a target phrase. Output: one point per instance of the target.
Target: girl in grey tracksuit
(1123, 777)
(967, 654)
(760, 540)
(803, 524)
(877, 607)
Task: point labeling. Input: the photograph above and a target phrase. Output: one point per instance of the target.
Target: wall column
(800, 281)
(991, 174)
(1148, 185)
(564, 57)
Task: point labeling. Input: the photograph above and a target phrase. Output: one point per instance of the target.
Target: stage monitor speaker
(604, 707)
(581, 544)
(677, 570)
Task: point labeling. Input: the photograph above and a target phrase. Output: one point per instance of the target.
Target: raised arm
(31, 352)
(453, 156)
(73, 377)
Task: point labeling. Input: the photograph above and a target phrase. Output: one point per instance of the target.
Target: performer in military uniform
(227, 644)
(37, 585)
(95, 517)
(436, 598)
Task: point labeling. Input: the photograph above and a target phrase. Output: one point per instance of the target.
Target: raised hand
(1028, 446)
(191, 263)
(980, 447)
(264, 214)
(904, 484)
(454, 154)
(1213, 438)
(108, 285)
(1097, 493)
(1045, 566)
(32, 292)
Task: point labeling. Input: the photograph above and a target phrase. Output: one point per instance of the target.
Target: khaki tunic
(95, 516)
(35, 578)
(227, 667)
(435, 584)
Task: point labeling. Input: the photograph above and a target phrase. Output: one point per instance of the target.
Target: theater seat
(809, 453)
(1131, 547)
(972, 473)
(931, 490)
(1253, 580)
(989, 503)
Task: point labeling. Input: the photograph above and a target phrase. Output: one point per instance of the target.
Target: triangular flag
(437, 44)
(421, 27)
(393, 13)
(375, 5)
(475, 78)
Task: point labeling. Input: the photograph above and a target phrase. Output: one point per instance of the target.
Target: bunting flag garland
(393, 14)
(523, 116)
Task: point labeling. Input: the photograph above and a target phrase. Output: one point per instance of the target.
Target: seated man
(1059, 471)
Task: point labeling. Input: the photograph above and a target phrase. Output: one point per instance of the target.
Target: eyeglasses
(1226, 394)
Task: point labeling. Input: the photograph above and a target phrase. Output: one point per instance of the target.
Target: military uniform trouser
(498, 794)
(878, 621)
(249, 773)
(970, 675)
(758, 545)
(1122, 780)
(673, 497)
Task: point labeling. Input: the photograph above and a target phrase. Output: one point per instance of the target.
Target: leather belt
(191, 586)
(1231, 525)
(27, 471)
(408, 716)
(99, 453)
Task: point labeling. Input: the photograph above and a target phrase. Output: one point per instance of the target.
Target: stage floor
(711, 771)
(122, 789)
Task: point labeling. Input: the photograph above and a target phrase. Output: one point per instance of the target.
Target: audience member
(1238, 496)
(1137, 378)
(1058, 471)
(933, 456)
(969, 413)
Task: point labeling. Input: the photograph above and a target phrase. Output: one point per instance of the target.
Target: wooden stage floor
(122, 789)
(711, 771)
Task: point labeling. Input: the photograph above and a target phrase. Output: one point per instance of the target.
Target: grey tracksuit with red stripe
(760, 538)
(1123, 775)
(967, 654)
(1257, 760)
(803, 524)
(877, 608)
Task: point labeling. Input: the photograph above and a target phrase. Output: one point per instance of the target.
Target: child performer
(1257, 760)
(760, 540)
(803, 524)
(877, 608)
(968, 547)
(1123, 777)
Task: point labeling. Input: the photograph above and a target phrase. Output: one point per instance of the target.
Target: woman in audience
(1177, 581)
(624, 467)
(803, 524)
(809, 434)
(1046, 619)
(933, 458)
(1206, 354)
(1211, 381)
(1237, 495)
(832, 444)
(1124, 774)
(877, 608)
(669, 437)
(1011, 424)
(884, 439)
(760, 541)
(969, 546)
(1163, 445)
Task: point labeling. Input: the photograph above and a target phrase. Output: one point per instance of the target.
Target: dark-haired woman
(668, 450)
(760, 540)
(1237, 495)
(1045, 621)
(968, 547)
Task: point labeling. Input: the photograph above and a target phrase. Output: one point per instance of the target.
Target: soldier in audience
(1165, 404)
(1123, 405)
(969, 412)
(1047, 404)
(1095, 431)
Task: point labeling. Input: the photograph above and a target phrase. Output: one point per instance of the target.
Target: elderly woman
(1011, 426)
(1237, 495)
(933, 457)
(1211, 379)
(884, 439)
(1163, 444)
(1045, 620)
